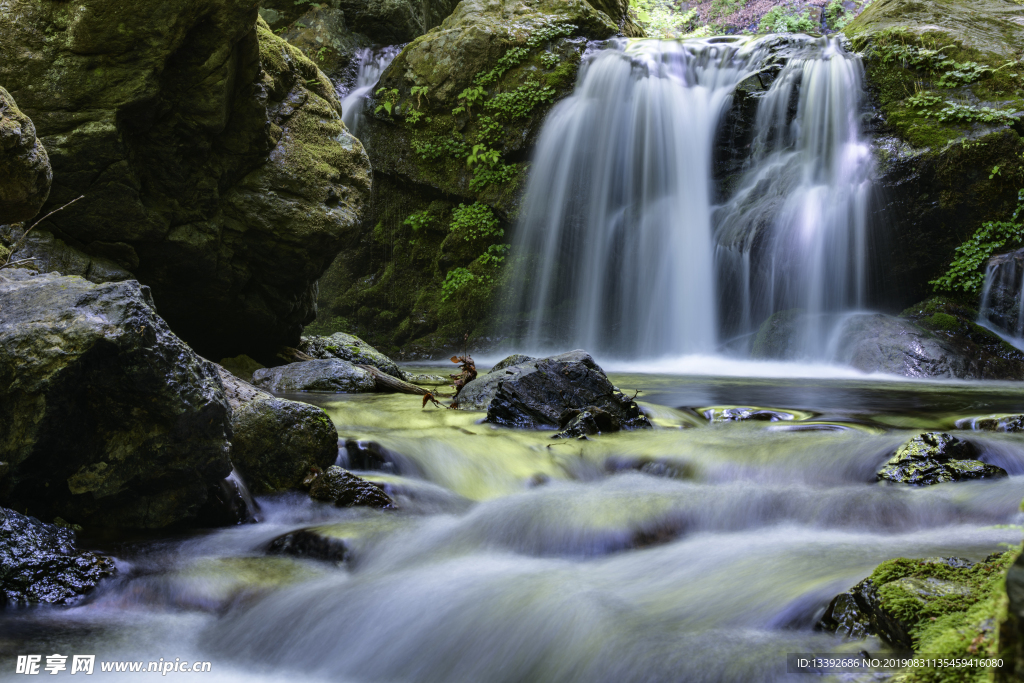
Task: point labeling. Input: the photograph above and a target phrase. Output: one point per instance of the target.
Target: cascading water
(620, 249)
(1002, 298)
(371, 65)
(795, 235)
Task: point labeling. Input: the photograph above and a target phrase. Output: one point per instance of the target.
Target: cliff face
(211, 155)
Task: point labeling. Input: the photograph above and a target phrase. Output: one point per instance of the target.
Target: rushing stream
(691, 552)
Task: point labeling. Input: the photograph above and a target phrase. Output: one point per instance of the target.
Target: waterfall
(371, 65)
(1002, 297)
(619, 248)
(795, 235)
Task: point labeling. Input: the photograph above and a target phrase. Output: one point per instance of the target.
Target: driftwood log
(386, 382)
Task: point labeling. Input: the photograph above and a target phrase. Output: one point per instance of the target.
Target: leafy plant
(475, 221)
(482, 155)
(837, 16)
(470, 96)
(455, 280)
(419, 220)
(966, 271)
(777, 20)
(417, 92)
(960, 113)
(388, 99)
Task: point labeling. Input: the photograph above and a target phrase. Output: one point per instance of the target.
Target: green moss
(941, 321)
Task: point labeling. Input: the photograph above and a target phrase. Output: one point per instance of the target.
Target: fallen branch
(386, 382)
(21, 240)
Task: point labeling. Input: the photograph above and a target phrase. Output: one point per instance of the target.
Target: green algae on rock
(349, 348)
(25, 172)
(211, 154)
(936, 458)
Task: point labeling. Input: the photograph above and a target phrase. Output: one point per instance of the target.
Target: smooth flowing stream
(691, 552)
(371, 64)
(620, 247)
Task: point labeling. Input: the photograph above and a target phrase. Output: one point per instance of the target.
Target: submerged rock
(276, 441)
(744, 414)
(109, 418)
(25, 172)
(335, 376)
(935, 458)
(40, 563)
(347, 490)
(993, 423)
(307, 543)
(349, 348)
(211, 155)
(577, 423)
(543, 393)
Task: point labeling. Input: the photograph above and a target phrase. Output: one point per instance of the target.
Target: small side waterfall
(619, 247)
(371, 65)
(795, 235)
(1002, 298)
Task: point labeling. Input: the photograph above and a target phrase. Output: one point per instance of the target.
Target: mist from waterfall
(619, 248)
(371, 65)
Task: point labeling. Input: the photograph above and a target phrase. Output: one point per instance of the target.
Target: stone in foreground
(936, 458)
(334, 376)
(39, 562)
(347, 490)
(993, 423)
(109, 419)
(276, 441)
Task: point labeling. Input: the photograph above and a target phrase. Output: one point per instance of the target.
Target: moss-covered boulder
(210, 152)
(936, 458)
(276, 441)
(25, 172)
(41, 252)
(948, 606)
(324, 36)
(40, 563)
(108, 418)
(949, 96)
(349, 348)
(449, 130)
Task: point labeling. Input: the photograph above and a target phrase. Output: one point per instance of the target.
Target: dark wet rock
(985, 355)
(370, 455)
(347, 490)
(776, 338)
(514, 359)
(744, 414)
(587, 422)
(49, 254)
(40, 563)
(538, 393)
(993, 423)
(109, 419)
(228, 504)
(323, 34)
(310, 544)
(211, 155)
(874, 342)
(349, 348)
(25, 172)
(315, 375)
(936, 458)
(276, 442)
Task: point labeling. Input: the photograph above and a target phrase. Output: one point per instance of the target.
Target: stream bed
(691, 552)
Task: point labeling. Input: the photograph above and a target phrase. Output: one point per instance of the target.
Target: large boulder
(332, 375)
(25, 172)
(349, 348)
(109, 419)
(936, 458)
(435, 210)
(42, 252)
(211, 155)
(40, 563)
(568, 391)
(276, 442)
(874, 342)
(324, 36)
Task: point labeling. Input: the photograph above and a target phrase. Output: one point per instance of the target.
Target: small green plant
(482, 155)
(961, 113)
(321, 54)
(455, 280)
(923, 100)
(419, 91)
(470, 96)
(777, 20)
(388, 98)
(419, 220)
(520, 102)
(837, 16)
(966, 271)
(995, 171)
(414, 116)
(961, 73)
(475, 221)
(495, 255)
(549, 60)
(439, 147)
